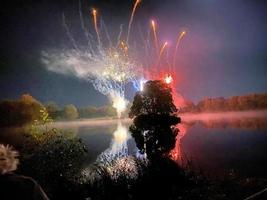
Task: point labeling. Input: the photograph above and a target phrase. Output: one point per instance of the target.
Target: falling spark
(131, 19)
(182, 34)
(153, 25)
(94, 13)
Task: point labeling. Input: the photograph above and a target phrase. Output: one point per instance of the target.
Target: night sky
(223, 54)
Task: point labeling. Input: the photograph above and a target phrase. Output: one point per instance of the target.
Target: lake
(217, 144)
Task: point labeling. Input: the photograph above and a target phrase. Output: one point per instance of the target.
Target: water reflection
(118, 146)
(177, 153)
(242, 123)
(215, 144)
(221, 144)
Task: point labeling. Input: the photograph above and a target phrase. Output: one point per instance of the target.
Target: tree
(70, 112)
(88, 112)
(154, 115)
(52, 109)
(20, 112)
(156, 98)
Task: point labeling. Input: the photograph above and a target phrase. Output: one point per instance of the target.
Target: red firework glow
(168, 79)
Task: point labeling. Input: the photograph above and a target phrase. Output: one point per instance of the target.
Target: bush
(55, 161)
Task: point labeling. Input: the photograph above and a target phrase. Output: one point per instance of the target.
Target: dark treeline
(235, 103)
(27, 109)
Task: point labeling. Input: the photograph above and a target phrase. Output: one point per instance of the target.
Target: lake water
(217, 144)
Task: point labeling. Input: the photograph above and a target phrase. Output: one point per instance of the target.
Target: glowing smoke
(107, 66)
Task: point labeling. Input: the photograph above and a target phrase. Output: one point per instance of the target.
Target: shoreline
(186, 117)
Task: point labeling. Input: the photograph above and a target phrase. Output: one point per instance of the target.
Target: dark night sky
(223, 54)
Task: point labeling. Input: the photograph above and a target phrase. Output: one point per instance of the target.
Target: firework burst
(109, 66)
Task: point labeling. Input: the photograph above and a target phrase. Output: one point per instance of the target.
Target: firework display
(108, 64)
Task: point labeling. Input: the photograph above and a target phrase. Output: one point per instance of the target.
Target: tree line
(234, 103)
(27, 109)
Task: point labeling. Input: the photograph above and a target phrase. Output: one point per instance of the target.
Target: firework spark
(110, 67)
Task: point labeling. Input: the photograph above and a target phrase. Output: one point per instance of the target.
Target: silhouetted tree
(154, 116)
(156, 98)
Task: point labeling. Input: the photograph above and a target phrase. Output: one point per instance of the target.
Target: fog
(186, 118)
(189, 117)
(89, 122)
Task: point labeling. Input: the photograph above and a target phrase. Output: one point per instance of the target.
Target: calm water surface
(216, 145)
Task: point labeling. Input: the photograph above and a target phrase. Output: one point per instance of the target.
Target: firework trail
(137, 2)
(162, 49)
(94, 13)
(182, 34)
(68, 32)
(110, 67)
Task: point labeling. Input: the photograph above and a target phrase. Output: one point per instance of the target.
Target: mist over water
(223, 116)
(188, 118)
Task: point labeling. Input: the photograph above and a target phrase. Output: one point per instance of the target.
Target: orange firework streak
(162, 50)
(94, 13)
(131, 19)
(182, 34)
(153, 24)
